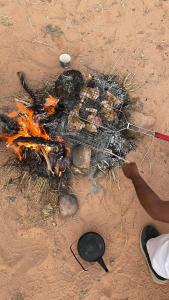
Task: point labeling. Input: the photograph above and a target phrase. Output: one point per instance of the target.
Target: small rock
(68, 205)
(111, 259)
(82, 157)
(83, 294)
(53, 28)
(11, 199)
(142, 120)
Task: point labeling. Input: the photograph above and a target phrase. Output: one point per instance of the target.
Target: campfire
(30, 135)
(73, 125)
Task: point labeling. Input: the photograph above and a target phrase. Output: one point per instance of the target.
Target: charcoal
(8, 125)
(21, 76)
(69, 84)
(64, 182)
(91, 83)
(37, 105)
(38, 141)
(34, 163)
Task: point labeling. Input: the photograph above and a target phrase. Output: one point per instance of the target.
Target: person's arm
(155, 207)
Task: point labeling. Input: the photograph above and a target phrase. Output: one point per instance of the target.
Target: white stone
(68, 205)
(65, 58)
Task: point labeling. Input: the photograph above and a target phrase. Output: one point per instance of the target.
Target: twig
(47, 160)
(113, 174)
(128, 207)
(42, 43)
(115, 155)
(24, 102)
(118, 176)
(126, 81)
(123, 4)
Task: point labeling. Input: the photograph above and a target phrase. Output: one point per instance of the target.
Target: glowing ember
(50, 105)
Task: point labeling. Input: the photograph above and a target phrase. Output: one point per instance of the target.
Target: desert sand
(107, 36)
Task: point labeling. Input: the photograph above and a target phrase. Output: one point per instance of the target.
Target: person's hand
(130, 170)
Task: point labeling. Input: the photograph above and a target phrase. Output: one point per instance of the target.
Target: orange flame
(29, 126)
(50, 105)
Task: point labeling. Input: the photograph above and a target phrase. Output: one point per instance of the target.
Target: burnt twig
(38, 141)
(49, 167)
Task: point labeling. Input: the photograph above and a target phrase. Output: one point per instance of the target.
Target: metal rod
(119, 157)
(140, 129)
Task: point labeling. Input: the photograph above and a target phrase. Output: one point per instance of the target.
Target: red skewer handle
(161, 136)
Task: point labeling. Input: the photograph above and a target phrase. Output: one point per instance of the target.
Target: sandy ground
(35, 259)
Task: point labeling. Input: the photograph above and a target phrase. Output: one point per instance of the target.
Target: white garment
(158, 250)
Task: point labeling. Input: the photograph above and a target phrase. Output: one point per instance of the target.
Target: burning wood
(29, 133)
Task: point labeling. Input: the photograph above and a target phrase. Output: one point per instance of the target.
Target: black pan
(91, 247)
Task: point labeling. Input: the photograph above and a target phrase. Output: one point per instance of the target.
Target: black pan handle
(102, 264)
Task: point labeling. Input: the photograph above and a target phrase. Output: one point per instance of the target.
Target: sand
(130, 36)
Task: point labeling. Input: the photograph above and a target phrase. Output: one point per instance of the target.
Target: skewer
(28, 104)
(140, 129)
(119, 157)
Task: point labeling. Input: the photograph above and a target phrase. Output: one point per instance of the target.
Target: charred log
(37, 105)
(68, 85)
(38, 141)
(21, 76)
(8, 125)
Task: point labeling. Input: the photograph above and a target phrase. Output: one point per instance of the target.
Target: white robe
(158, 250)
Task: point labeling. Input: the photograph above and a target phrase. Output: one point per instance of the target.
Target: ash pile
(72, 125)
